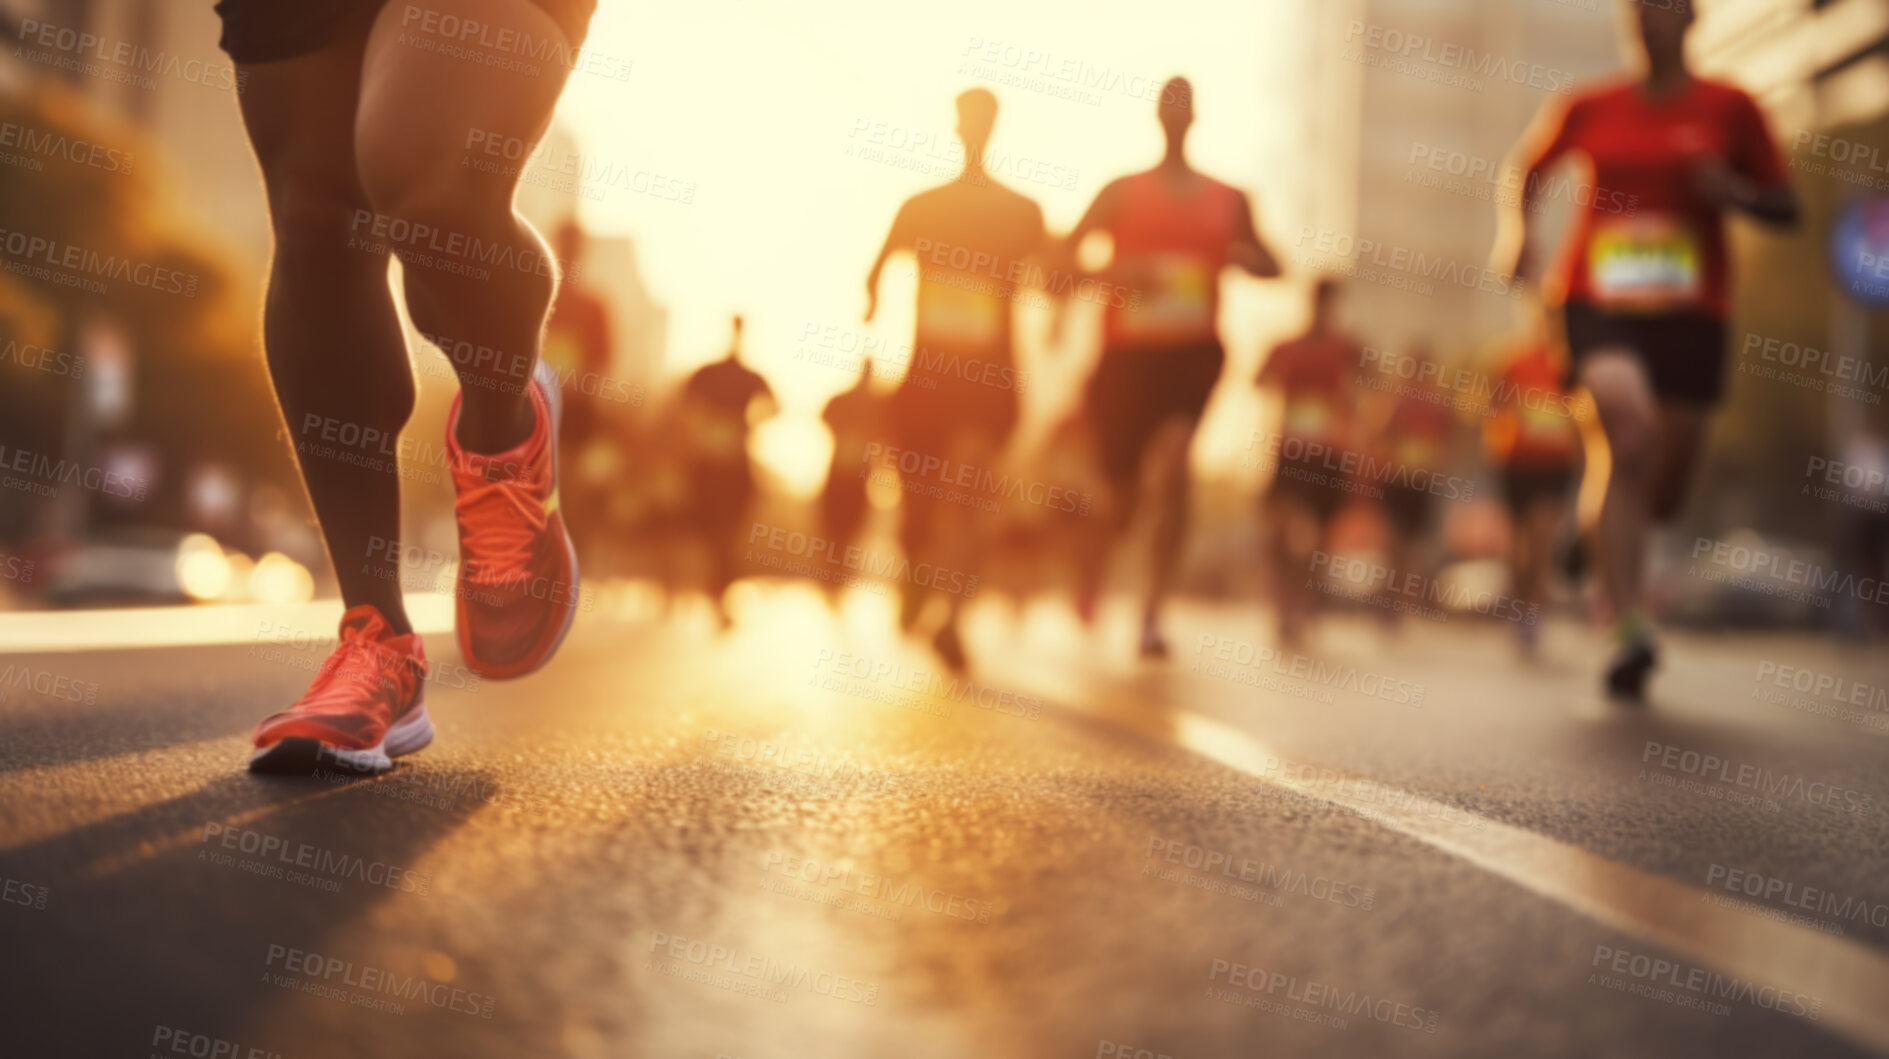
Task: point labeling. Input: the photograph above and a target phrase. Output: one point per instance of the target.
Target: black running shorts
(1406, 510)
(1133, 392)
(1683, 353)
(1311, 484)
(933, 410)
(1524, 487)
(260, 31)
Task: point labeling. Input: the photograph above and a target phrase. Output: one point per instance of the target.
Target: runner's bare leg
(420, 106)
(1172, 442)
(332, 338)
(1623, 397)
(1681, 439)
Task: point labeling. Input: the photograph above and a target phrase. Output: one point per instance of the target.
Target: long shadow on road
(177, 915)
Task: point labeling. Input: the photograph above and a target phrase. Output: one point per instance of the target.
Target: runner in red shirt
(1316, 377)
(1417, 439)
(1532, 435)
(1174, 230)
(1414, 448)
(1646, 283)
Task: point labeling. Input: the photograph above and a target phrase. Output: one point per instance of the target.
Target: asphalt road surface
(798, 838)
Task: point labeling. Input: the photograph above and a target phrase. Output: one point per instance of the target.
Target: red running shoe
(362, 710)
(517, 591)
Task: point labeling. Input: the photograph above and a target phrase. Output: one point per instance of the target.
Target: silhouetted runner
(856, 418)
(976, 243)
(1316, 378)
(1174, 231)
(718, 409)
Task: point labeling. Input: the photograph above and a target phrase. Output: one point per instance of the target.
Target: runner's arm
(896, 238)
(1099, 217)
(1547, 141)
(1754, 181)
(1064, 254)
(1250, 252)
(1043, 252)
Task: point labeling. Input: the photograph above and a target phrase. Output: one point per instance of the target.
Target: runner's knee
(1628, 415)
(316, 221)
(437, 208)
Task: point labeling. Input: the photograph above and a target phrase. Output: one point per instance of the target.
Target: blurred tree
(81, 179)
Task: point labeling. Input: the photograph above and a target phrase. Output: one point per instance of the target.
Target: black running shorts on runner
(260, 31)
(1406, 509)
(1133, 392)
(1523, 487)
(1683, 353)
(933, 411)
(1311, 484)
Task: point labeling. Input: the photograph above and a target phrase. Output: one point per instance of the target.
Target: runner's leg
(1629, 417)
(1172, 442)
(336, 356)
(1294, 533)
(1532, 549)
(420, 107)
(1681, 439)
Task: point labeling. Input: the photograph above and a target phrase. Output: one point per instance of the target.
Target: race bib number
(1645, 264)
(1177, 304)
(961, 317)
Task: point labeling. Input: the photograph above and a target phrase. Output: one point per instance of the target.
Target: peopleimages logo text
(1705, 983)
(320, 971)
(1755, 777)
(1419, 48)
(1782, 567)
(27, 247)
(1809, 898)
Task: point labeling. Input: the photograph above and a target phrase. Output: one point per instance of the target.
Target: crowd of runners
(1614, 380)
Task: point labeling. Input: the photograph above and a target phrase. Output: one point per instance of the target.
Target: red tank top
(1171, 248)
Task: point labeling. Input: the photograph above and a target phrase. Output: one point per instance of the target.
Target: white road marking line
(1851, 979)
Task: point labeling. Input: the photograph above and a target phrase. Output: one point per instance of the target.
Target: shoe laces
(501, 521)
(355, 658)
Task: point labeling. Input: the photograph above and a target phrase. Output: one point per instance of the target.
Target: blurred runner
(972, 240)
(1646, 288)
(720, 403)
(1174, 230)
(1417, 440)
(1532, 436)
(855, 419)
(358, 122)
(578, 346)
(577, 342)
(1316, 377)
(1071, 459)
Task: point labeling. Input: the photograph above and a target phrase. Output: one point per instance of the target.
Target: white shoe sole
(303, 756)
